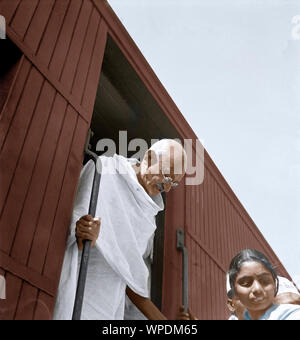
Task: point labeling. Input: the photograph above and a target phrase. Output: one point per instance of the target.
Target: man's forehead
(172, 166)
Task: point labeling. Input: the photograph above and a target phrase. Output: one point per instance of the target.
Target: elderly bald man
(128, 201)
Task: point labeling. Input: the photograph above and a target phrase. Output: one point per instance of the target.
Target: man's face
(155, 177)
(153, 180)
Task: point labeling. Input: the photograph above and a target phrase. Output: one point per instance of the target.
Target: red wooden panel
(86, 56)
(226, 236)
(188, 225)
(189, 245)
(53, 191)
(44, 307)
(208, 287)
(202, 214)
(61, 225)
(30, 159)
(192, 273)
(8, 8)
(215, 224)
(71, 61)
(211, 216)
(95, 69)
(46, 48)
(23, 17)
(205, 210)
(213, 290)
(175, 218)
(221, 223)
(203, 286)
(241, 226)
(11, 151)
(64, 39)
(231, 232)
(198, 274)
(38, 24)
(23, 174)
(26, 304)
(13, 99)
(41, 179)
(223, 295)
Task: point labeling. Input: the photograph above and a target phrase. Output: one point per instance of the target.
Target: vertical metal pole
(86, 245)
(185, 263)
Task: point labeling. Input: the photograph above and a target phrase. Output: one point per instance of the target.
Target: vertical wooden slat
(11, 152)
(71, 61)
(90, 90)
(211, 241)
(61, 225)
(208, 287)
(31, 155)
(27, 302)
(171, 287)
(205, 195)
(64, 39)
(53, 190)
(199, 283)
(8, 9)
(226, 233)
(214, 231)
(23, 16)
(221, 221)
(47, 45)
(203, 285)
(38, 24)
(86, 56)
(44, 307)
(233, 250)
(226, 240)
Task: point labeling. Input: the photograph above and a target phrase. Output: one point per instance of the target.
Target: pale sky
(233, 69)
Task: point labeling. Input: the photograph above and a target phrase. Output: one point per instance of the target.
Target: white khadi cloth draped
(127, 215)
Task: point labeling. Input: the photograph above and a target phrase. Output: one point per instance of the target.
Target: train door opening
(126, 114)
(9, 61)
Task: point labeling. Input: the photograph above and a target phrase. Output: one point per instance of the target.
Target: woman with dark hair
(255, 283)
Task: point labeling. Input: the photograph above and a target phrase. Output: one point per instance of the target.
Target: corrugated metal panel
(43, 128)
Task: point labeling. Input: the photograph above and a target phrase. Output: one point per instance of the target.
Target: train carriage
(69, 66)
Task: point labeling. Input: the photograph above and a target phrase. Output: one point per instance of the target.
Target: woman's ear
(230, 305)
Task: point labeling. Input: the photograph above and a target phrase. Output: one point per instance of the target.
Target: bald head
(171, 154)
(163, 166)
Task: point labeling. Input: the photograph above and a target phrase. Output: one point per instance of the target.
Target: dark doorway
(9, 59)
(124, 106)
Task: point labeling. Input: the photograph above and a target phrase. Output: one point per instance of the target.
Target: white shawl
(127, 225)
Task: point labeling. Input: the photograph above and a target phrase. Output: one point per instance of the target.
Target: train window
(9, 58)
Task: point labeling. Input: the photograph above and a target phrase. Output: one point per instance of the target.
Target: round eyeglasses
(166, 180)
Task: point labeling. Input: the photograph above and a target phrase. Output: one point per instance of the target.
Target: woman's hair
(247, 255)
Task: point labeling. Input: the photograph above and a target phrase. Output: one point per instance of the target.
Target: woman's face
(255, 287)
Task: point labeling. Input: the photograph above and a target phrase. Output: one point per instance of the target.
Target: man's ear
(150, 158)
